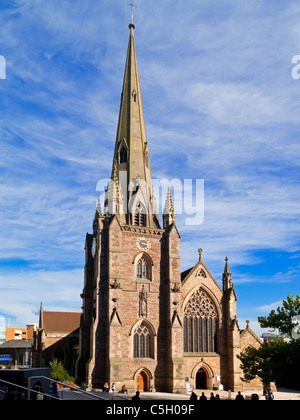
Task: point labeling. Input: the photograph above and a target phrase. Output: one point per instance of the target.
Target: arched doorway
(201, 379)
(142, 382)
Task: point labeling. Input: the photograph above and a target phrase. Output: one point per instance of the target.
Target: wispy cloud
(220, 105)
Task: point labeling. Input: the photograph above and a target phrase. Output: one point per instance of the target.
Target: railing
(26, 389)
(87, 394)
(119, 396)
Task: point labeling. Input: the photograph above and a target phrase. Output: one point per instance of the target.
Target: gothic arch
(143, 264)
(139, 322)
(208, 371)
(140, 329)
(140, 255)
(208, 292)
(142, 369)
(145, 376)
(200, 322)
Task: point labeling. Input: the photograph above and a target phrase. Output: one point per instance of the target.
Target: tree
(282, 318)
(269, 362)
(277, 360)
(59, 373)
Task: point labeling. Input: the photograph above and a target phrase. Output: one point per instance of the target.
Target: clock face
(143, 244)
(94, 248)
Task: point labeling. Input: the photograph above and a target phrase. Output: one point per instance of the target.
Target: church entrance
(142, 382)
(201, 379)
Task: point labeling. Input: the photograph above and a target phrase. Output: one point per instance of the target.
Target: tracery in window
(200, 324)
(143, 269)
(142, 342)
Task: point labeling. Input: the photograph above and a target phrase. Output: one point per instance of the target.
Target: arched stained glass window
(200, 324)
(142, 342)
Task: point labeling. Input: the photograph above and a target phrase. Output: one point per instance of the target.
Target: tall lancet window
(200, 324)
(143, 269)
(142, 342)
(123, 155)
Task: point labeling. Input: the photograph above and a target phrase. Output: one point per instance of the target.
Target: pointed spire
(131, 157)
(98, 207)
(131, 25)
(226, 270)
(169, 212)
(41, 320)
(227, 278)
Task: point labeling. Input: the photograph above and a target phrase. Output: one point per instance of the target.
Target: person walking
(239, 397)
(203, 397)
(212, 397)
(136, 397)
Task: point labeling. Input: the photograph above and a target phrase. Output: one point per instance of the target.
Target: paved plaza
(281, 394)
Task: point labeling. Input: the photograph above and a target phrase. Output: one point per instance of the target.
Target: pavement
(66, 394)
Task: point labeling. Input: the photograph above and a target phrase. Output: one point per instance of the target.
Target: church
(145, 323)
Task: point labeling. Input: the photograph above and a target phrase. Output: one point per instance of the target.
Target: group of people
(107, 388)
(203, 397)
(268, 395)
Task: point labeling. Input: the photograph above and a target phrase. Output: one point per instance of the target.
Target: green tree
(59, 373)
(282, 318)
(277, 360)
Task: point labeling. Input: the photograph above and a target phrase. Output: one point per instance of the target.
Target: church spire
(131, 173)
(227, 278)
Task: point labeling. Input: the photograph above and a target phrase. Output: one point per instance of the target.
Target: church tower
(131, 331)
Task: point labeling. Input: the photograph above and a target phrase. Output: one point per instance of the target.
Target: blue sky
(220, 104)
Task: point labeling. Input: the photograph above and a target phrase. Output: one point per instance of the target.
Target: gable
(200, 277)
(249, 338)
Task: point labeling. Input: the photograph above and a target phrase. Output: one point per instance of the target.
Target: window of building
(200, 324)
(142, 342)
(59, 354)
(143, 269)
(123, 155)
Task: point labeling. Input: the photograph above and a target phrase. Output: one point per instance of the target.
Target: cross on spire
(132, 6)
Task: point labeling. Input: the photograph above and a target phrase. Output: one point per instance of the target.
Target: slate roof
(66, 322)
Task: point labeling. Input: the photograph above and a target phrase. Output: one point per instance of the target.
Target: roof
(16, 344)
(61, 321)
(185, 273)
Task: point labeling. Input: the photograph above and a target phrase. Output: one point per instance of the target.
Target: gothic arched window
(59, 354)
(142, 342)
(143, 269)
(200, 324)
(123, 155)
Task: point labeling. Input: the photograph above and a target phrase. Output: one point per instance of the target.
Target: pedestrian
(212, 397)
(105, 387)
(193, 396)
(124, 390)
(239, 397)
(203, 397)
(137, 396)
(113, 387)
(218, 397)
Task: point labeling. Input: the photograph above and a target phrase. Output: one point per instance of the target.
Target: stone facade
(144, 323)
